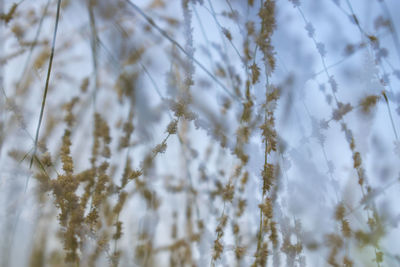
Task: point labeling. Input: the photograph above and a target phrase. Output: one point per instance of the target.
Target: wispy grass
(280, 151)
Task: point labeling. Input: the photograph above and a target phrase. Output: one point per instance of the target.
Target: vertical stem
(47, 82)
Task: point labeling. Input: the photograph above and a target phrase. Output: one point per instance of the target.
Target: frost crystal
(397, 148)
(321, 49)
(333, 84)
(310, 30)
(296, 3)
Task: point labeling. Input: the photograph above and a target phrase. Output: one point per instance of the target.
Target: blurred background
(199, 133)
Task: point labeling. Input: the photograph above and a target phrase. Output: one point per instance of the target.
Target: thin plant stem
(163, 33)
(46, 88)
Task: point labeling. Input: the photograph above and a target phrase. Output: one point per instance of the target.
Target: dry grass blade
(93, 43)
(47, 82)
(390, 115)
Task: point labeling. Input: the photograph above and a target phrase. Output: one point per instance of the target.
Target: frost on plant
(199, 133)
